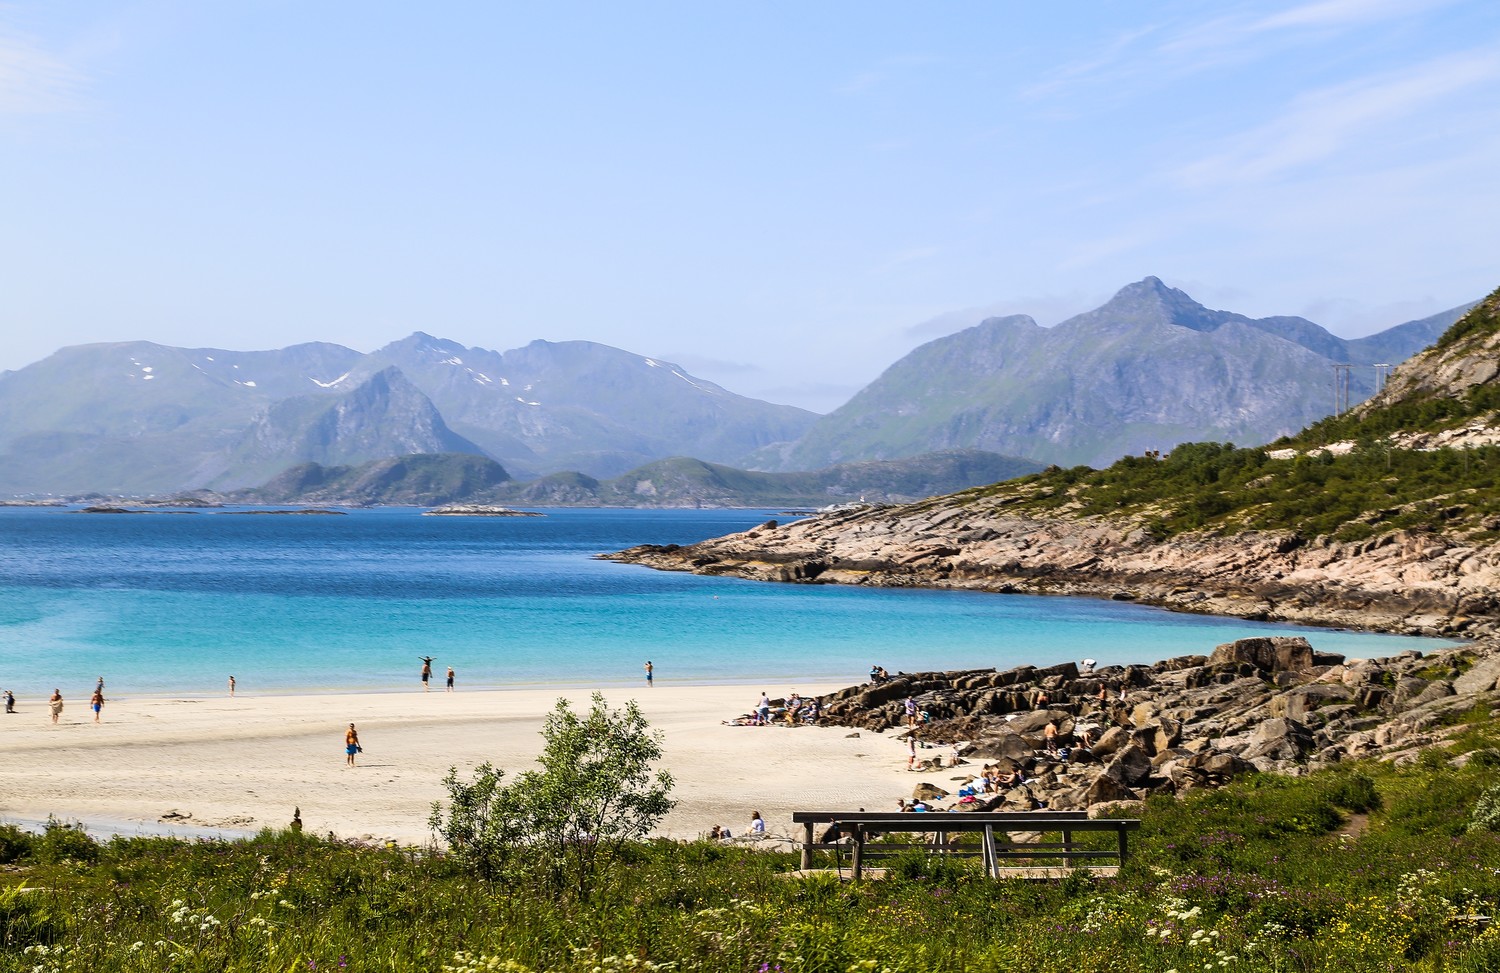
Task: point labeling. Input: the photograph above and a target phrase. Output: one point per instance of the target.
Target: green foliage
(64, 842)
(1483, 319)
(1268, 874)
(594, 793)
(15, 844)
(1486, 815)
(1351, 790)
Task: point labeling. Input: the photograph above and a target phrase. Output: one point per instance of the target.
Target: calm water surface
(173, 603)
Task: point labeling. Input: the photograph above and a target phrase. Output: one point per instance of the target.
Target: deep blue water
(173, 603)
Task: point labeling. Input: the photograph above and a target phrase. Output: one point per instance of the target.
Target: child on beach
(450, 679)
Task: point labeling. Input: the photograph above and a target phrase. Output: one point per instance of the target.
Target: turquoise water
(173, 603)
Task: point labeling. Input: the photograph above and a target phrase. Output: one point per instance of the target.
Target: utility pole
(1342, 372)
(1382, 370)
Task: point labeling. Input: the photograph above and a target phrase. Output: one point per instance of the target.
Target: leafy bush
(15, 844)
(1486, 813)
(594, 794)
(64, 842)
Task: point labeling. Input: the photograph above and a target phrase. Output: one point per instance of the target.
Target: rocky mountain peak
(1150, 300)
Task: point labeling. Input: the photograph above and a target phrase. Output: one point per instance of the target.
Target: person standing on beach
(650, 670)
(231, 685)
(351, 744)
(10, 701)
(99, 686)
(96, 702)
(763, 710)
(426, 671)
(55, 703)
(911, 711)
(450, 679)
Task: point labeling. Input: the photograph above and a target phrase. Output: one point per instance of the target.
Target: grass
(1270, 873)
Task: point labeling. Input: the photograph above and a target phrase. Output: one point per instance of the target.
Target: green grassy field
(1366, 867)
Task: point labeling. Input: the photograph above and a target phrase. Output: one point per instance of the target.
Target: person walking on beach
(10, 701)
(55, 703)
(231, 685)
(650, 669)
(426, 671)
(450, 679)
(99, 686)
(351, 744)
(96, 703)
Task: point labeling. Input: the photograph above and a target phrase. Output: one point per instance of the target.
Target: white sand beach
(233, 766)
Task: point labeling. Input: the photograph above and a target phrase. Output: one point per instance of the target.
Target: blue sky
(782, 197)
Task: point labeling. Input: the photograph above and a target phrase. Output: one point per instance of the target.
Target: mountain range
(1386, 517)
(1147, 370)
(425, 480)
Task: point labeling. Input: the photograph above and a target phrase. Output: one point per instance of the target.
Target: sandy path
(236, 765)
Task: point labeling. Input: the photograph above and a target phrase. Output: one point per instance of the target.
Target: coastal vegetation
(1369, 866)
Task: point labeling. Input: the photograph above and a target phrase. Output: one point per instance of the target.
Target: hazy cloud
(33, 81)
(1320, 124)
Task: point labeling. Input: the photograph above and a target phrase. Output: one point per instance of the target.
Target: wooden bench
(1002, 856)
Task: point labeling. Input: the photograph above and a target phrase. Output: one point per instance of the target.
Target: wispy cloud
(1321, 124)
(902, 257)
(883, 70)
(1324, 14)
(34, 81)
(1153, 54)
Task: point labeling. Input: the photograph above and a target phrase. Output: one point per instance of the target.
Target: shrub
(1486, 813)
(15, 844)
(64, 842)
(594, 794)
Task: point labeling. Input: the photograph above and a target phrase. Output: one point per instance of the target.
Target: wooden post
(1121, 833)
(807, 843)
(1067, 849)
(859, 851)
(991, 862)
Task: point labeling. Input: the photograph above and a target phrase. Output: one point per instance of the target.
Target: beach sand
(234, 766)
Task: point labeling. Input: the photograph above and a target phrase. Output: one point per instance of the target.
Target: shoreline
(234, 766)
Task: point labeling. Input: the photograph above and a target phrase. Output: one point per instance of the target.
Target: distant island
(478, 510)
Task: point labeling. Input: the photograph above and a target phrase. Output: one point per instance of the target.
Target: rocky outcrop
(1406, 581)
(1126, 732)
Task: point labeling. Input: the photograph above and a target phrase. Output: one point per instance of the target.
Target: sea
(172, 603)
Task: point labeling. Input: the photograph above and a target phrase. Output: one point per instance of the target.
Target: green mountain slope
(1400, 461)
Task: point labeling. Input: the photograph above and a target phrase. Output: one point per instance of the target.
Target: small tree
(595, 792)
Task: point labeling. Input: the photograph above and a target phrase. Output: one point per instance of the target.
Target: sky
(784, 198)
